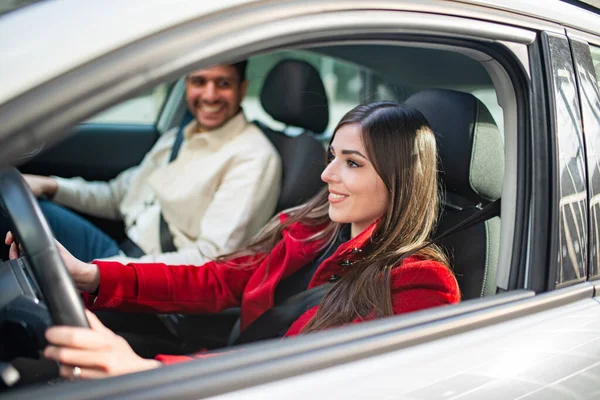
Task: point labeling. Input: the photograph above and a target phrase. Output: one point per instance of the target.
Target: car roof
(52, 37)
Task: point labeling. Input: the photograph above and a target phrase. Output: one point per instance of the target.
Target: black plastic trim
(554, 225)
(544, 213)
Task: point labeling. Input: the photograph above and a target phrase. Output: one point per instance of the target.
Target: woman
(380, 204)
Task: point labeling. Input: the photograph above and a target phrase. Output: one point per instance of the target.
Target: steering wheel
(33, 232)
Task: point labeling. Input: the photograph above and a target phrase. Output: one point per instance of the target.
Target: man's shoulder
(253, 139)
(165, 140)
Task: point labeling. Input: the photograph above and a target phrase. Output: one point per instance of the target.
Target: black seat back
(471, 154)
(293, 94)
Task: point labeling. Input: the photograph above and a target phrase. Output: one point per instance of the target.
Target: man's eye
(198, 81)
(224, 83)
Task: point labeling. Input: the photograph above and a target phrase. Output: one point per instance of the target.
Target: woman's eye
(353, 164)
(330, 157)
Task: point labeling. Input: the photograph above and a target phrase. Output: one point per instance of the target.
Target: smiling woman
(357, 193)
(366, 234)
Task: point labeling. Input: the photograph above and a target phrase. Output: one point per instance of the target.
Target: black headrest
(303, 160)
(293, 93)
(470, 145)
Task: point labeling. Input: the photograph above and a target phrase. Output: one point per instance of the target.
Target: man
(219, 190)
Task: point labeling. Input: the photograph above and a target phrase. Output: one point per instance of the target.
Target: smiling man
(182, 206)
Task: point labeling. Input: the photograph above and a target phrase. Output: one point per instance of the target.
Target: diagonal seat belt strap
(166, 238)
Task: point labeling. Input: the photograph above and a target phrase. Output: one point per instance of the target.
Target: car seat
(293, 93)
(471, 164)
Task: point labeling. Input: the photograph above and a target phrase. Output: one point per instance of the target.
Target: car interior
(454, 91)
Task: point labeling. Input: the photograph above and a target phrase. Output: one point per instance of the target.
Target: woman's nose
(330, 174)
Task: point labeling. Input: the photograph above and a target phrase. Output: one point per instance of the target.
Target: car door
(534, 347)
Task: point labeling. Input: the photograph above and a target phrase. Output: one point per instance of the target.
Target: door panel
(546, 355)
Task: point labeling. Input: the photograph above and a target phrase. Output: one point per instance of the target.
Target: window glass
(571, 175)
(345, 84)
(587, 74)
(596, 60)
(143, 109)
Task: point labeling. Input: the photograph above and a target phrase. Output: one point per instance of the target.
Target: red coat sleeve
(159, 288)
(422, 284)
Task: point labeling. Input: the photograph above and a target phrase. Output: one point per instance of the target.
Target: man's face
(214, 95)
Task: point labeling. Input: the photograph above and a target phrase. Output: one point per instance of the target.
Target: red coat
(214, 287)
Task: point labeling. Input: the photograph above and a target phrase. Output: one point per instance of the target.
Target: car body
(536, 65)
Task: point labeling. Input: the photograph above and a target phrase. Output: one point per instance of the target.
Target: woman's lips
(336, 197)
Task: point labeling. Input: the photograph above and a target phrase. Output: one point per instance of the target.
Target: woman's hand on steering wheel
(86, 276)
(95, 352)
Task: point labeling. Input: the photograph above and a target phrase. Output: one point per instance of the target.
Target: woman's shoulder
(299, 229)
(424, 274)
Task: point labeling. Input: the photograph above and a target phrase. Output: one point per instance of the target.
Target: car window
(143, 109)
(588, 69)
(572, 251)
(346, 85)
(595, 50)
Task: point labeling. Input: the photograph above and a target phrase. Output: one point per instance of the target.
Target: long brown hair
(402, 148)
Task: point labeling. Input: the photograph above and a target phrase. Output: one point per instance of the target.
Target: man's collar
(229, 129)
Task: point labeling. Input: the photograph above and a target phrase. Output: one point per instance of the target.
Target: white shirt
(219, 191)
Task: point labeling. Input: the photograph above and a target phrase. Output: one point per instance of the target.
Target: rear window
(596, 60)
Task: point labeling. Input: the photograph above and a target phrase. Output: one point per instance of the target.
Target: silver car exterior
(517, 344)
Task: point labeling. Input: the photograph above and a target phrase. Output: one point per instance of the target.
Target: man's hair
(240, 67)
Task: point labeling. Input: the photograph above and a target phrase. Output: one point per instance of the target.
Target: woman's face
(357, 194)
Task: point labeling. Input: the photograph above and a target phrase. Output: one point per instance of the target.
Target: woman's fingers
(9, 240)
(66, 371)
(76, 357)
(13, 252)
(97, 352)
(80, 338)
(95, 323)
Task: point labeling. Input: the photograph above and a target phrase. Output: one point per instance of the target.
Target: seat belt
(128, 246)
(276, 321)
(166, 238)
(171, 321)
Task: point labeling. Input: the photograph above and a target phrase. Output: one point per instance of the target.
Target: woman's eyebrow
(358, 153)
